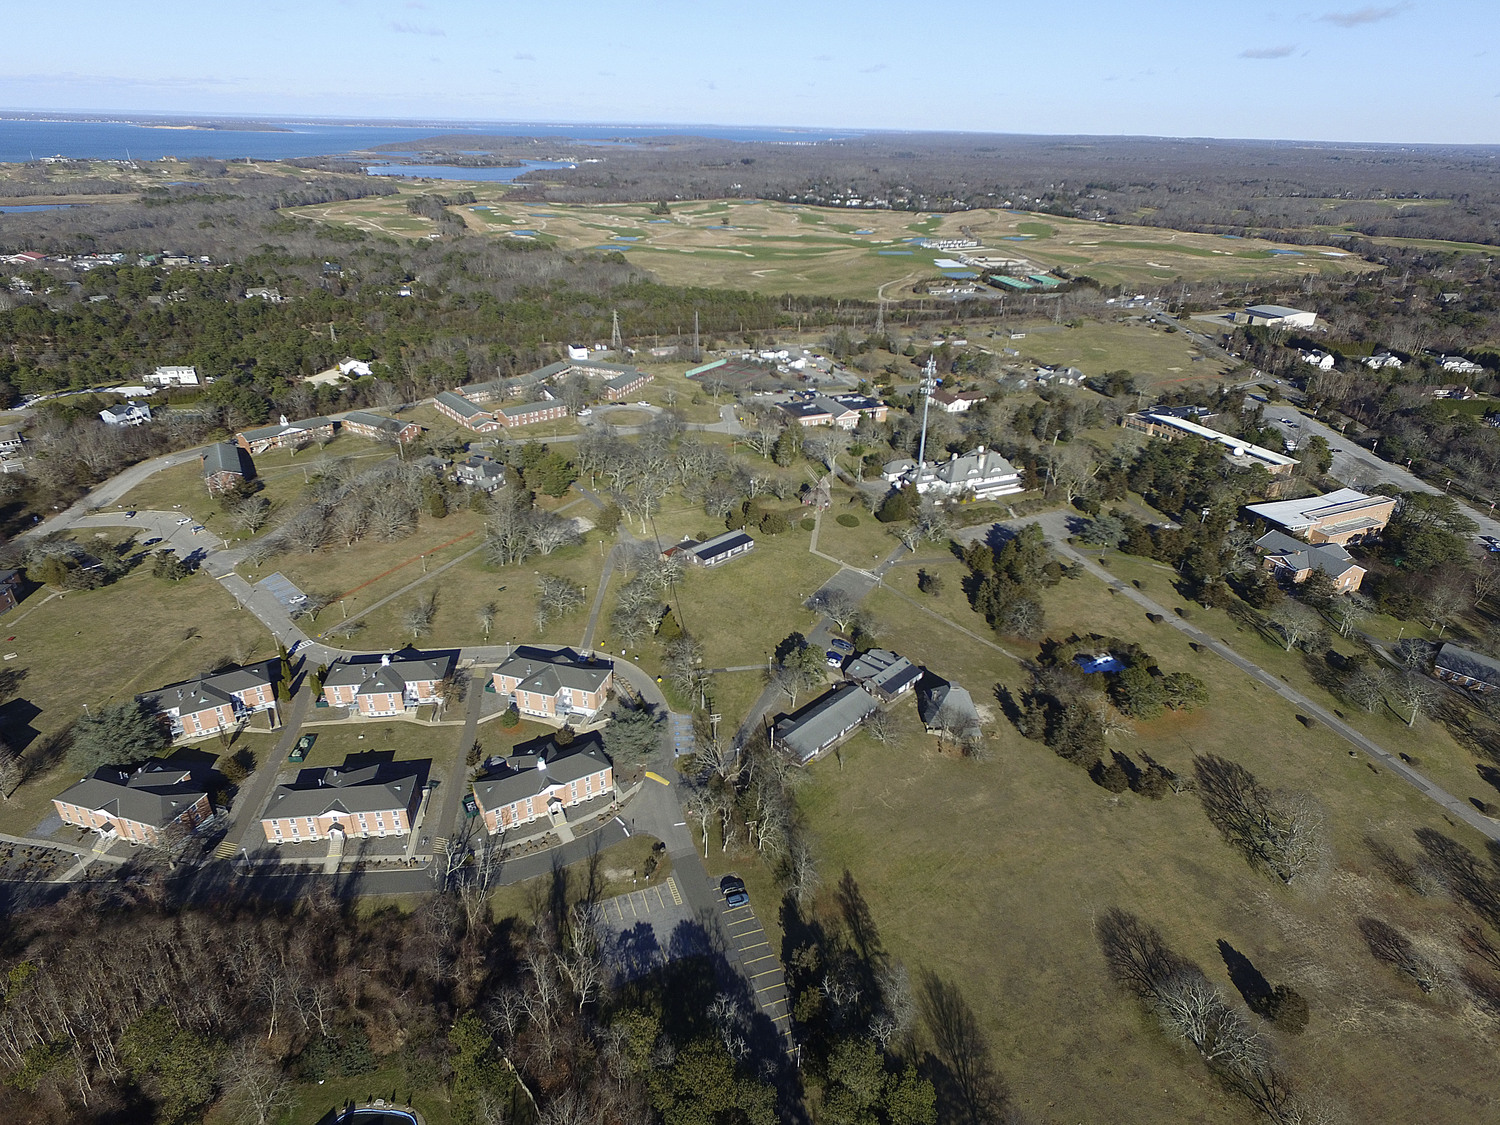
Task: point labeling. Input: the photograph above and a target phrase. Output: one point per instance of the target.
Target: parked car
(150, 542)
(835, 659)
(130, 515)
(585, 412)
(197, 527)
(733, 889)
(842, 645)
(184, 519)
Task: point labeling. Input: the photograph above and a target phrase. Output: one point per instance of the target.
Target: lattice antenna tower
(615, 341)
(929, 384)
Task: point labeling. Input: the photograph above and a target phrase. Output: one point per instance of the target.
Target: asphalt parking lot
(760, 963)
(649, 927)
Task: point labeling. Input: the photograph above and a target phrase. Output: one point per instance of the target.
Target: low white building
(1321, 360)
(576, 351)
(1277, 316)
(174, 377)
(1381, 360)
(982, 475)
(354, 368)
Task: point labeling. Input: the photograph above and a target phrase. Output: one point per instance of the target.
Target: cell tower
(929, 384)
(697, 354)
(880, 320)
(615, 341)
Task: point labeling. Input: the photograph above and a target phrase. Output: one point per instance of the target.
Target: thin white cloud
(876, 69)
(1361, 16)
(413, 29)
(1267, 52)
(524, 56)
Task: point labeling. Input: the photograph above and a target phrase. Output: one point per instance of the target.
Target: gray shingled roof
(376, 421)
(884, 671)
(392, 676)
(519, 777)
(223, 457)
(1467, 662)
(210, 690)
(363, 789)
(1299, 556)
(545, 672)
(458, 403)
(157, 793)
(824, 720)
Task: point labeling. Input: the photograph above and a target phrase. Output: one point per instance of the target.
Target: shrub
(1111, 776)
(848, 519)
(510, 719)
(1287, 1008)
(774, 523)
(808, 524)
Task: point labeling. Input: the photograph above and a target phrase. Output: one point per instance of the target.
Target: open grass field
(992, 873)
(1158, 359)
(788, 248)
(101, 646)
(311, 1101)
(282, 474)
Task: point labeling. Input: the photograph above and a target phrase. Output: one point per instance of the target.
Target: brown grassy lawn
(369, 570)
(524, 900)
(998, 891)
(1429, 743)
(408, 742)
(741, 609)
(863, 546)
(282, 475)
(472, 583)
(1157, 358)
(311, 1101)
(102, 646)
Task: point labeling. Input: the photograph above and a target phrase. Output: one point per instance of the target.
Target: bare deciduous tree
(1281, 831)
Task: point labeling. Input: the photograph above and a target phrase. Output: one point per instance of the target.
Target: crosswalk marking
(672, 887)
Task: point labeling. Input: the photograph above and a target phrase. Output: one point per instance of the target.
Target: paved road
(1055, 526)
(244, 833)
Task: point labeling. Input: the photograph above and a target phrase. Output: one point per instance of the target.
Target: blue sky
(1339, 70)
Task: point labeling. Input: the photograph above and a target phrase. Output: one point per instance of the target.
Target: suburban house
(1170, 424)
(216, 702)
(542, 779)
(530, 413)
(1321, 360)
(135, 805)
(883, 674)
(946, 708)
(1059, 376)
(225, 466)
(1459, 365)
(10, 589)
(480, 472)
(1277, 316)
(554, 684)
(982, 474)
(951, 402)
(712, 552)
(264, 293)
(357, 801)
(378, 426)
(1344, 516)
(354, 368)
(391, 687)
(174, 377)
(825, 721)
(464, 412)
(1453, 390)
(284, 434)
(126, 414)
(1381, 360)
(1296, 560)
(1467, 668)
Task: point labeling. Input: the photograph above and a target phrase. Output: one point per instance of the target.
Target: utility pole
(929, 384)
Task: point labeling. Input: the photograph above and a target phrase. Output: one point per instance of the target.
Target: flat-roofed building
(1343, 517)
(1169, 426)
(1277, 316)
